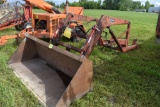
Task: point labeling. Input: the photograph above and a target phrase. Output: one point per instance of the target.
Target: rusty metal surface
(79, 71)
(43, 81)
(120, 42)
(106, 22)
(4, 39)
(82, 18)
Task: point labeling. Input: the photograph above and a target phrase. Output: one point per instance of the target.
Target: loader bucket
(55, 76)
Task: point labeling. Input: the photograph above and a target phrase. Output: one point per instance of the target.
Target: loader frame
(95, 36)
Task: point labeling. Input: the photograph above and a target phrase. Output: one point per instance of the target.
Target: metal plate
(43, 81)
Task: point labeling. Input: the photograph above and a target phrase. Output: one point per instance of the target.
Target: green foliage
(99, 4)
(142, 6)
(74, 4)
(136, 5)
(62, 5)
(147, 5)
(111, 4)
(125, 5)
(151, 5)
(90, 5)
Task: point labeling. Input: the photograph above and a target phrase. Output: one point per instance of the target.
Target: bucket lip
(69, 54)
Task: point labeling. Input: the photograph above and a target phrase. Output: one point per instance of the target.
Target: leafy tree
(90, 5)
(136, 5)
(57, 6)
(147, 5)
(151, 5)
(142, 6)
(107, 4)
(111, 4)
(62, 5)
(83, 0)
(99, 4)
(126, 5)
(75, 4)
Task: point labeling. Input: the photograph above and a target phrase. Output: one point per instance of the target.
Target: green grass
(120, 79)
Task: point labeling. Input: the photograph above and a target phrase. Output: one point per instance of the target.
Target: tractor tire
(19, 27)
(27, 25)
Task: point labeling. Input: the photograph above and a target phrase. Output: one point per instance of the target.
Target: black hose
(56, 10)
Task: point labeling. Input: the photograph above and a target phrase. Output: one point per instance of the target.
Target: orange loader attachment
(4, 39)
(55, 76)
(44, 6)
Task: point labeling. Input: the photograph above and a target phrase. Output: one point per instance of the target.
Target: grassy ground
(120, 79)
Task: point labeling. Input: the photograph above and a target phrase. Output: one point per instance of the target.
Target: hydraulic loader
(94, 37)
(55, 76)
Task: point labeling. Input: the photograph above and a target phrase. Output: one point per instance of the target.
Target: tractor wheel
(19, 27)
(27, 25)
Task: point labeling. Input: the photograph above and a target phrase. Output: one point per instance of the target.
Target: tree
(99, 4)
(83, 0)
(142, 6)
(107, 4)
(62, 5)
(147, 5)
(90, 5)
(75, 4)
(136, 5)
(111, 4)
(126, 5)
(151, 5)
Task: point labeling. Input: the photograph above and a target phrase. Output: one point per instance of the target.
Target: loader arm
(44, 6)
(95, 36)
(97, 30)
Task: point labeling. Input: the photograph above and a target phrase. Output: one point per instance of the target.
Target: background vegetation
(123, 5)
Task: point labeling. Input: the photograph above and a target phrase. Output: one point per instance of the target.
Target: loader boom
(97, 30)
(44, 5)
(95, 36)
